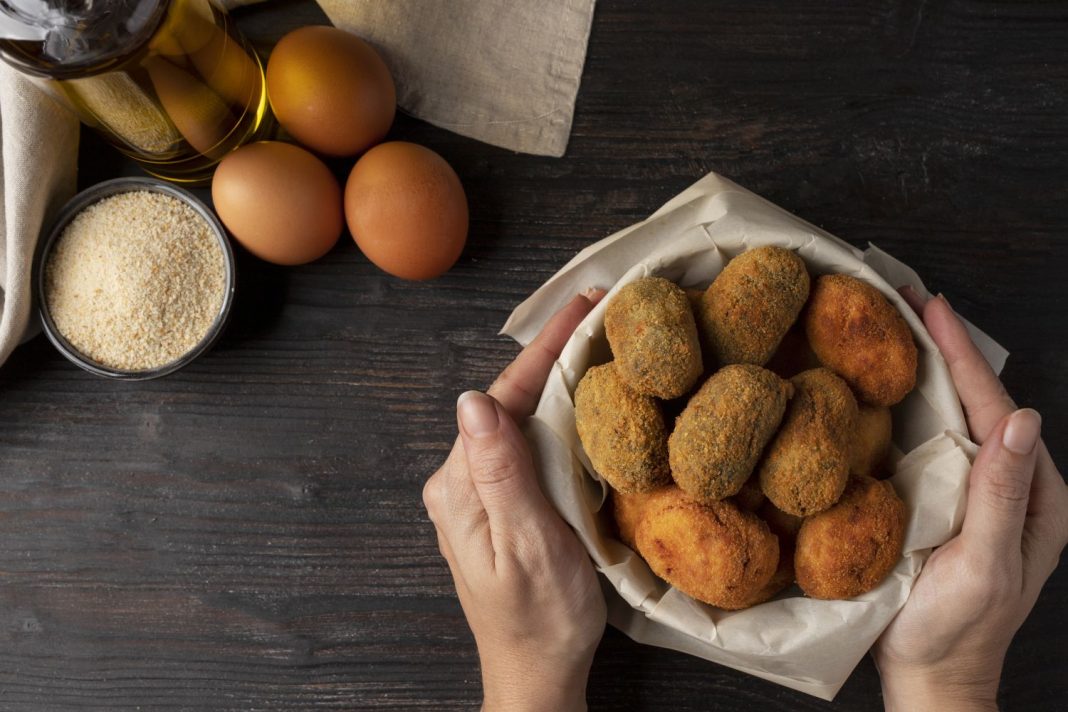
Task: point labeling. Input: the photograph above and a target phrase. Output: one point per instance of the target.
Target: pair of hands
(532, 598)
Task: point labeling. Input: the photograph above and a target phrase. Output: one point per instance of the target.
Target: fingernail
(593, 294)
(477, 413)
(944, 300)
(1022, 431)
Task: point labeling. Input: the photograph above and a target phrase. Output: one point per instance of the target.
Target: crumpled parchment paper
(802, 643)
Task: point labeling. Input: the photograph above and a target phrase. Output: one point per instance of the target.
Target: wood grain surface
(248, 534)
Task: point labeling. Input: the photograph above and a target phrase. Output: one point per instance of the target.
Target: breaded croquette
(628, 509)
(781, 579)
(782, 524)
(871, 440)
(622, 431)
(751, 304)
(859, 335)
(785, 526)
(715, 553)
(723, 429)
(653, 336)
(848, 549)
(806, 465)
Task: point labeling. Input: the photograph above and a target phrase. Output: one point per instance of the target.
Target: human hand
(945, 649)
(525, 582)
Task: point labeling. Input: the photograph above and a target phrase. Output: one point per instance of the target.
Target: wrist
(934, 688)
(541, 686)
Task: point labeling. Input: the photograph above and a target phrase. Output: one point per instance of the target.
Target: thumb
(498, 460)
(999, 487)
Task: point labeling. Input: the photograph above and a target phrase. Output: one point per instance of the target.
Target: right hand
(945, 649)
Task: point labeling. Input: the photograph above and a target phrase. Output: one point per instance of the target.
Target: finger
(982, 395)
(455, 509)
(912, 298)
(498, 460)
(999, 488)
(519, 387)
(1049, 493)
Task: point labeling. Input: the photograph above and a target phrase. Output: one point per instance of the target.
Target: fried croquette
(848, 549)
(785, 527)
(751, 304)
(715, 553)
(859, 335)
(871, 440)
(806, 465)
(780, 580)
(653, 336)
(622, 431)
(720, 434)
(782, 524)
(628, 509)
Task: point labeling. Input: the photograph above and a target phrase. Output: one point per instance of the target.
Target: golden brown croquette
(807, 463)
(723, 429)
(622, 431)
(653, 336)
(859, 335)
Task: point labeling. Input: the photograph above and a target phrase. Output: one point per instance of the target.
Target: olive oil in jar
(171, 83)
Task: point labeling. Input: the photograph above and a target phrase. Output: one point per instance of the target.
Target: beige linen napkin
(505, 72)
(38, 166)
(502, 71)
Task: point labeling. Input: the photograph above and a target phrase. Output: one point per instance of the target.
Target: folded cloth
(38, 166)
(501, 71)
(505, 72)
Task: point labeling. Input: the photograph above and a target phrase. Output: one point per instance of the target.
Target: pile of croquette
(744, 429)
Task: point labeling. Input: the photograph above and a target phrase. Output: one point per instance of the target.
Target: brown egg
(279, 201)
(407, 210)
(330, 90)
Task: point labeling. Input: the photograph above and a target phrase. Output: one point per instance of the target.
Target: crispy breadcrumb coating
(628, 509)
(715, 553)
(806, 465)
(782, 524)
(653, 336)
(622, 431)
(751, 304)
(726, 424)
(850, 548)
(859, 335)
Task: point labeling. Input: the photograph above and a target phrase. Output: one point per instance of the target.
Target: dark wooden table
(249, 534)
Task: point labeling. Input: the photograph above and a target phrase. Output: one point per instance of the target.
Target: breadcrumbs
(136, 280)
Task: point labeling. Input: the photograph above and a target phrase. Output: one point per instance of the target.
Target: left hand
(525, 582)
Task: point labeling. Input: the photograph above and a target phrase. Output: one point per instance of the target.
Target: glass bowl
(105, 190)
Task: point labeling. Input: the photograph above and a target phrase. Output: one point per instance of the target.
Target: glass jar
(171, 83)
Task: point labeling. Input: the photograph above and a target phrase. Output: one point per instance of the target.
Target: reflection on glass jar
(171, 83)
